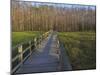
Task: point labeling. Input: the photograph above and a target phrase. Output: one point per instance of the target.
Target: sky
(85, 2)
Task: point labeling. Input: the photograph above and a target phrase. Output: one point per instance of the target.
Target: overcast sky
(86, 2)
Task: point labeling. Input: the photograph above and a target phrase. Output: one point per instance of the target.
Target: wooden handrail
(21, 51)
(64, 59)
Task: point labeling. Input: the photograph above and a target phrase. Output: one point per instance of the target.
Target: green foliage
(81, 49)
(18, 37)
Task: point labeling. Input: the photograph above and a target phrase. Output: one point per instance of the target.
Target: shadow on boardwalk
(46, 58)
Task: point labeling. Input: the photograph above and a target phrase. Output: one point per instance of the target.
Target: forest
(41, 16)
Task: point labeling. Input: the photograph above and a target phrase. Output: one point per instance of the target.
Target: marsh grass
(81, 48)
(19, 37)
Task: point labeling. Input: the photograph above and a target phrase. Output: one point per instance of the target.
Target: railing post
(58, 43)
(20, 50)
(30, 47)
(40, 40)
(35, 42)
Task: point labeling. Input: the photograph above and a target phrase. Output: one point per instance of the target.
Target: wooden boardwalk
(48, 58)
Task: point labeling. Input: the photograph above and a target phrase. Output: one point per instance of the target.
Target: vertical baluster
(30, 47)
(40, 41)
(20, 50)
(35, 43)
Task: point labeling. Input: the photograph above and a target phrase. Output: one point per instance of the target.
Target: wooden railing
(22, 51)
(63, 56)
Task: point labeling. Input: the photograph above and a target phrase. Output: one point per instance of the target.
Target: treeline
(39, 16)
